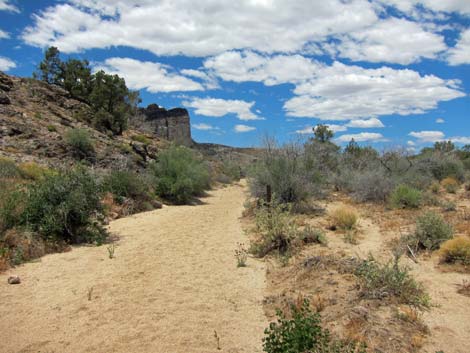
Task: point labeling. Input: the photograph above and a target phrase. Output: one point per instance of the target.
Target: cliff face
(172, 125)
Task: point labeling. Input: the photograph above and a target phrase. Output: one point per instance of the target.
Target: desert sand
(172, 284)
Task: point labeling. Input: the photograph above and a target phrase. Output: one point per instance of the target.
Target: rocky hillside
(35, 118)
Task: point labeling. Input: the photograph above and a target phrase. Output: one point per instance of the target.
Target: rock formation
(172, 125)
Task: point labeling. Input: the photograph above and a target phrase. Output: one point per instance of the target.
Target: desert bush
(405, 196)
(312, 235)
(11, 206)
(291, 173)
(126, 184)
(63, 206)
(276, 228)
(80, 143)
(232, 170)
(372, 185)
(449, 206)
(445, 165)
(301, 333)
(431, 231)
(456, 250)
(180, 174)
(435, 187)
(344, 218)
(450, 185)
(391, 281)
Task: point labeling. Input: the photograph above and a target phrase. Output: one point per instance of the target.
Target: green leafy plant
(302, 332)
(63, 207)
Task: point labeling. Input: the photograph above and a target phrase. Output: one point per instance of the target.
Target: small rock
(4, 99)
(14, 280)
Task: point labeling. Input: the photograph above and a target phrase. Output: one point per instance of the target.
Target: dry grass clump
(456, 251)
(34, 171)
(344, 218)
(391, 281)
(450, 185)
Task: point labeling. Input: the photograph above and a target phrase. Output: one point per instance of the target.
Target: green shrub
(11, 206)
(62, 207)
(431, 231)
(276, 228)
(405, 197)
(180, 174)
(390, 280)
(125, 184)
(80, 143)
(303, 333)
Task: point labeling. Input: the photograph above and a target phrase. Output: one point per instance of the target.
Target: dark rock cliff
(173, 125)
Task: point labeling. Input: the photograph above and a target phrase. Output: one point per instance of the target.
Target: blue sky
(387, 73)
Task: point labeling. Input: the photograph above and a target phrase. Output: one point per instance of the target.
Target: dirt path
(172, 283)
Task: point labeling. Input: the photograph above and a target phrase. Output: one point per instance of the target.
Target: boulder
(14, 280)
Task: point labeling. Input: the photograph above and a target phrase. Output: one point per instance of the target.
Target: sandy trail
(172, 283)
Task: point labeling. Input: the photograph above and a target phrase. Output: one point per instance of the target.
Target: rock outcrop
(172, 125)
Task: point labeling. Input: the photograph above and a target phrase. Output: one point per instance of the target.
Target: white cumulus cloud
(366, 123)
(249, 66)
(154, 77)
(362, 137)
(6, 64)
(6, 5)
(392, 40)
(217, 107)
(243, 128)
(204, 127)
(460, 54)
(4, 35)
(428, 136)
(342, 92)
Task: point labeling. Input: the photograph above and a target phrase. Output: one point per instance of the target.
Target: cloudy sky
(384, 72)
